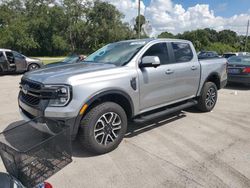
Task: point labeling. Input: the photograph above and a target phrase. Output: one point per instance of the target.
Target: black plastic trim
(99, 95)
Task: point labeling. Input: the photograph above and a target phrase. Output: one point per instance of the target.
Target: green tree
(136, 26)
(166, 35)
(227, 37)
(220, 47)
(106, 22)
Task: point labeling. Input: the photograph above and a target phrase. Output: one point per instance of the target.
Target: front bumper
(29, 112)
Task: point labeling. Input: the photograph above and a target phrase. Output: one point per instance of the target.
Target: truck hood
(61, 74)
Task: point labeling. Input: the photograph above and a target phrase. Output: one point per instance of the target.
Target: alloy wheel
(107, 128)
(211, 97)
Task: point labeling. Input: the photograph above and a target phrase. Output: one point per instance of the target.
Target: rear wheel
(103, 128)
(33, 66)
(208, 97)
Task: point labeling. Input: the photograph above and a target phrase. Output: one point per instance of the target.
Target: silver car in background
(12, 61)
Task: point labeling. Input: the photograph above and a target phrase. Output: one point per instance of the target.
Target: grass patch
(48, 60)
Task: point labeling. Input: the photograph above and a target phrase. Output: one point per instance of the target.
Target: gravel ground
(189, 149)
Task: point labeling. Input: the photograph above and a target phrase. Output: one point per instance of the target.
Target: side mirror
(150, 61)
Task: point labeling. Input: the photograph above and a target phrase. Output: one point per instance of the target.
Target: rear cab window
(182, 52)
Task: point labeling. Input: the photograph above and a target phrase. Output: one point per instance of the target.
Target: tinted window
(182, 52)
(18, 55)
(10, 57)
(228, 55)
(159, 50)
(244, 60)
(234, 59)
(1, 57)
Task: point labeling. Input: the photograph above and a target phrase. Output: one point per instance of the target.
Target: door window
(159, 50)
(18, 55)
(10, 57)
(182, 52)
(1, 57)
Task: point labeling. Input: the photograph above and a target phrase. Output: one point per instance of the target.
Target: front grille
(30, 99)
(31, 84)
(32, 95)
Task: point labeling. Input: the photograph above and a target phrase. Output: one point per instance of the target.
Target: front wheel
(208, 97)
(33, 66)
(103, 128)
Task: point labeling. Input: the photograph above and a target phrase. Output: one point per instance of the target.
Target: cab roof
(147, 40)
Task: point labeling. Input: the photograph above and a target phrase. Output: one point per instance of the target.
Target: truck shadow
(133, 130)
(10, 74)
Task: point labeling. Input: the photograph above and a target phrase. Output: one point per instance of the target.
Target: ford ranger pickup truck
(136, 80)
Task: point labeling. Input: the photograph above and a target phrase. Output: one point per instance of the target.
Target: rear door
(186, 70)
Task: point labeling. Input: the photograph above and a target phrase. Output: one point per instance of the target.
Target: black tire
(95, 120)
(33, 66)
(208, 98)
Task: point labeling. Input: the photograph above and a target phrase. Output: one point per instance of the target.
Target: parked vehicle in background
(68, 60)
(12, 61)
(239, 69)
(207, 55)
(137, 79)
(230, 54)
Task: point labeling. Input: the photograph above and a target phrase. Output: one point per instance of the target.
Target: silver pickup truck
(129, 80)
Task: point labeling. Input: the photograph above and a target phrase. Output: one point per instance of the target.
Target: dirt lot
(190, 149)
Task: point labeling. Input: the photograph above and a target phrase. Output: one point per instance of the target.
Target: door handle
(169, 71)
(193, 68)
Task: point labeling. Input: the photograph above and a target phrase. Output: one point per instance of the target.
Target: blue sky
(178, 16)
(224, 8)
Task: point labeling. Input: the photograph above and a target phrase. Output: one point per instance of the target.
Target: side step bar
(167, 111)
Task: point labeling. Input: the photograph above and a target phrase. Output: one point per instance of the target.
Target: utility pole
(139, 19)
(246, 36)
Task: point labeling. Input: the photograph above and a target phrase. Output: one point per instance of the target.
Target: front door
(156, 84)
(21, 64)
(3, 63)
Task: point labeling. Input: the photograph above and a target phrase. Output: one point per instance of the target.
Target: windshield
(118, 53)
(243, 60)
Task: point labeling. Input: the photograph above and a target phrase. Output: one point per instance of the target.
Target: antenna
(246, 36)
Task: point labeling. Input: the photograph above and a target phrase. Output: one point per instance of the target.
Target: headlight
(62, 95)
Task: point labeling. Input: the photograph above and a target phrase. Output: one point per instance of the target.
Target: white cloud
(128, 7)
(164, 15)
